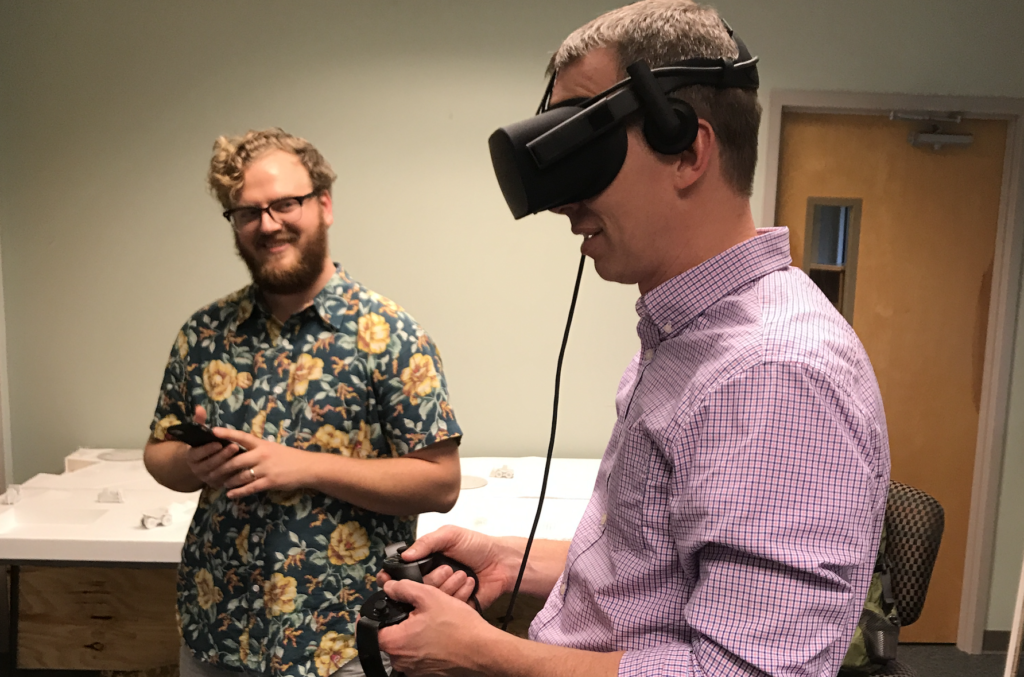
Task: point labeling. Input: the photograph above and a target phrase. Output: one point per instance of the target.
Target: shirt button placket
(257, 537)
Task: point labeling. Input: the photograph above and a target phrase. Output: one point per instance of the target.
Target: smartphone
(194, 435)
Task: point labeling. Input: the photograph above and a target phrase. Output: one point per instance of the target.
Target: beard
(301, 275)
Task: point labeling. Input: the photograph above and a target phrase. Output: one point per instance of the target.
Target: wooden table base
(93, 618)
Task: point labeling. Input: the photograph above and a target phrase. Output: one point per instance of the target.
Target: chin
(611, 274)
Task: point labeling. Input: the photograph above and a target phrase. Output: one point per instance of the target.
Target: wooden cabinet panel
(91, 618)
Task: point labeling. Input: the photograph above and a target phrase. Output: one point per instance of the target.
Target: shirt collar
(331, 304)
(673, 304)
(338, 300)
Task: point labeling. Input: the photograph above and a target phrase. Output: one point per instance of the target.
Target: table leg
(12, 627)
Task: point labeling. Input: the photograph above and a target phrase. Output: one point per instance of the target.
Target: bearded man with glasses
(333, 410)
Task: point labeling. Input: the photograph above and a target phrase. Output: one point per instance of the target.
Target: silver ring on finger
(252, 474)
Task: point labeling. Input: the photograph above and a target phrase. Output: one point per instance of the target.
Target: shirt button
(648, 354)
(667, 328)
(256, 588)
(561, 590)
(604, 519)
(255, 538)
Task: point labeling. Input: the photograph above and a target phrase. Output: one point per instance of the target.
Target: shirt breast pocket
(627, 490)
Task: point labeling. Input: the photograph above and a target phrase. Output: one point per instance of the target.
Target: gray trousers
(190, 666)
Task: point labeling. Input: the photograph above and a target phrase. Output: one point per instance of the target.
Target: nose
(267, 223)
(565, 210)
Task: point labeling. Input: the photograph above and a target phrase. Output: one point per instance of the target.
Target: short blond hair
(664, 32)
(660, 32)
(232, 155)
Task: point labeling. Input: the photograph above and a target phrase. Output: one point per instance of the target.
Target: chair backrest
(913, 523)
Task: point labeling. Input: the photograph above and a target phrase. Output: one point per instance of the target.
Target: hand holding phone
(194, 434)
(204, 465)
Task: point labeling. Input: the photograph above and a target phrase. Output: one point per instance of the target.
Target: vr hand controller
(380, 611)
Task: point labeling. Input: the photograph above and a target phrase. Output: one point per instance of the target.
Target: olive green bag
(877, 632)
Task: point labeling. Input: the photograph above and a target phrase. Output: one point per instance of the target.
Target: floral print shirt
(271, 583)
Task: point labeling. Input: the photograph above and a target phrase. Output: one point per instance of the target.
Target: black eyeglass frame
(228, 214)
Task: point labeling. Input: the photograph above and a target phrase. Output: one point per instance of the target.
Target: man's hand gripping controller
(380, 611)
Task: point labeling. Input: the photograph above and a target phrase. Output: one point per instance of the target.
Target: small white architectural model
(504, 472)
(110, 495)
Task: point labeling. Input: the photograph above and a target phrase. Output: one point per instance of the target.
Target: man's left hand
(442, 636)
(264, 465)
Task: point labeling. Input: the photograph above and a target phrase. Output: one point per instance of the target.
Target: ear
(694, 162)
(326, 208)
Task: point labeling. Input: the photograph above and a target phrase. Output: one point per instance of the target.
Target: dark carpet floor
(945, 660)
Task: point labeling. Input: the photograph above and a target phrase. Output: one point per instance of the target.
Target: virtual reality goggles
(573, 151)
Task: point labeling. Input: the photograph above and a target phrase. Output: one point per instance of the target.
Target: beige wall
(109, 241)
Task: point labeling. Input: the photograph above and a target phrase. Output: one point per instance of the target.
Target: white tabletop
(58, 518)
(506, 507)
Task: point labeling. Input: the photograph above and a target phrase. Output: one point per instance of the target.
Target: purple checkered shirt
(737, 511)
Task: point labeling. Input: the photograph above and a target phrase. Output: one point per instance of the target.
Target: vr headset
(573, 151)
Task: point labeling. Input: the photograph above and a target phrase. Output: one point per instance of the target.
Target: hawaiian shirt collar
(340, 285)
(673, 304)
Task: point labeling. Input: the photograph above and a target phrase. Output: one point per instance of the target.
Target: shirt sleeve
(412, 390)
(174, 404)
(779, 511)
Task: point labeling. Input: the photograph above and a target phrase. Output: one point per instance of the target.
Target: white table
(506, 507)
(58, 522)
(58, 519)
(87, 571)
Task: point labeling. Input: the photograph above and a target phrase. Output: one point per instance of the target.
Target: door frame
(6, 453)
(1002, 317)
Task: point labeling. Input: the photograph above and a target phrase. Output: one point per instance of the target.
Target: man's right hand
(495, 561)
(183, 468)
(205, 461)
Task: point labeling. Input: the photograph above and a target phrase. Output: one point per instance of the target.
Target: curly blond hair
(663, 32)
(231, 157)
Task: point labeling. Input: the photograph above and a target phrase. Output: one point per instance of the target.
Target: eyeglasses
(280, 209)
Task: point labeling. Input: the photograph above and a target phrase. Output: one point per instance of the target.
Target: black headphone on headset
(574, 150)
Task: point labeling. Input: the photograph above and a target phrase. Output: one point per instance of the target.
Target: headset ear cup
(673, 143)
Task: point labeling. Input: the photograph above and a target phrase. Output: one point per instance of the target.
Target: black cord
(547, 95)
(551, 447)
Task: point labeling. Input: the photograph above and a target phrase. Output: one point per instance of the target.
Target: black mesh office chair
(913, 522)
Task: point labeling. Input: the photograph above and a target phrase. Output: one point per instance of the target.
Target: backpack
(878, 630)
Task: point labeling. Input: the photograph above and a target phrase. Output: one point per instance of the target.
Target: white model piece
(157, 518)
(12, 495)
(503, 472)
(110, 495)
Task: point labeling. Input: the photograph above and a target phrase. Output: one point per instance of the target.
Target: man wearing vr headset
(737, 512)
(332, 411)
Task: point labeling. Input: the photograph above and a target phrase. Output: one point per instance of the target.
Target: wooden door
(923, 278)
